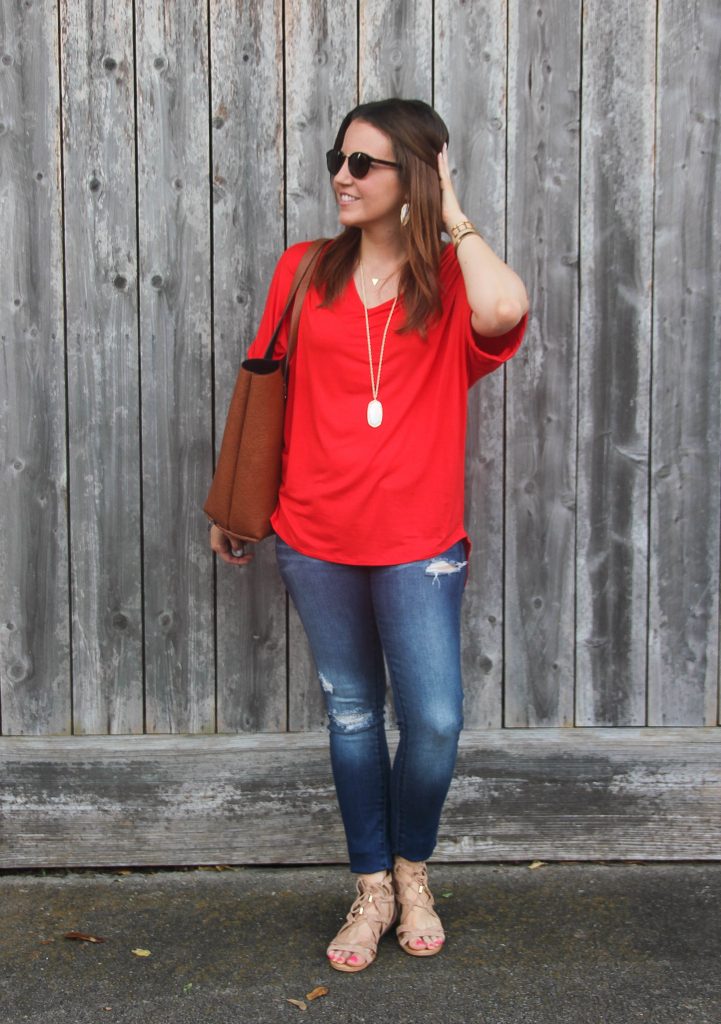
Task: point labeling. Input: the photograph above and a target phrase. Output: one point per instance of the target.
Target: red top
(361, 495)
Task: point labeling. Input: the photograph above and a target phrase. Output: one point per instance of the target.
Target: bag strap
(298, 289)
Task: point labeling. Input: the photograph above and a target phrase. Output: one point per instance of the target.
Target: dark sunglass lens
(334, 160)
(359, 164)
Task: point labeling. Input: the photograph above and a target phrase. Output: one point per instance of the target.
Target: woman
(370, 538)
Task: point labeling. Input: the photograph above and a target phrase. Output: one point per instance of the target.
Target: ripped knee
(355, 720)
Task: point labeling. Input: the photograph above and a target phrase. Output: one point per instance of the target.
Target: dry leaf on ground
(141, 952)
(536, 864)
(82, 937)
(317, 992)
(299, 1003)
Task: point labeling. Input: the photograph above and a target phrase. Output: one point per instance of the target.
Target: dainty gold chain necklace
(374, 412)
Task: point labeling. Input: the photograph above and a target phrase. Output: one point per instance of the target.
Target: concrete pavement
(560, 944)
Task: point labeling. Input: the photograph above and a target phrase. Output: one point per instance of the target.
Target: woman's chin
(347, 217)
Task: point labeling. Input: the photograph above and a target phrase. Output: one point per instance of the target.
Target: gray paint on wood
(471, 42)
(544, 101)
(103, 378)
(686, 411)
(248, 210)
(174, 219)
(518, 795)
(616, 249)
(34, 591)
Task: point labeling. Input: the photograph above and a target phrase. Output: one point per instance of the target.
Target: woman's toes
(342, 956)
(427, 942)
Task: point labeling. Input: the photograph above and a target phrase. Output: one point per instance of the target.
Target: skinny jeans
(353, 617)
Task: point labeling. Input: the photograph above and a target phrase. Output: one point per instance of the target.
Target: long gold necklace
(374, 412)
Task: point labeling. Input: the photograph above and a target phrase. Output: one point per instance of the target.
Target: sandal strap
(371, 915)
(413, 893)
(406, 934)
(411, 885)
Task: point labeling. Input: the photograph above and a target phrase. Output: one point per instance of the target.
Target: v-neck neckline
(371, 309)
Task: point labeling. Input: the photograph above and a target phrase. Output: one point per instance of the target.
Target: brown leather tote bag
(244, 491)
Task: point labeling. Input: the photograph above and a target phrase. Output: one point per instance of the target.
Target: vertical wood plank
(686, 435)
(103, 387)
(396, 47)
(34, 592)
(174, 242)
(248, 209)
(616, 257)
(470, 95)
(321, 87)
(543, 214)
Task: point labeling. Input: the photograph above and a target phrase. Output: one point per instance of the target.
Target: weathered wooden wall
(156, 157)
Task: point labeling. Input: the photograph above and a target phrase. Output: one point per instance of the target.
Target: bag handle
(298, 290)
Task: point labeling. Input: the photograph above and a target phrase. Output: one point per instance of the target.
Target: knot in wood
(19, 672)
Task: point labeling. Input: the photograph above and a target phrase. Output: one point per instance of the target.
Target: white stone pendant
(375, 413)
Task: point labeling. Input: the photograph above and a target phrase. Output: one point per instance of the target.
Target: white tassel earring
(405, 215)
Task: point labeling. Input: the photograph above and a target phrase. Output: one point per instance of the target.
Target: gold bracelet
(460, 230)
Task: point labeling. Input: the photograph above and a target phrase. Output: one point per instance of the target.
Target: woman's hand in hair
(223, 548)
(496, 294)
(450, 207)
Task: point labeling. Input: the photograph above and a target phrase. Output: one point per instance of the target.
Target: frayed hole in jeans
(443, 567)
(351, 721)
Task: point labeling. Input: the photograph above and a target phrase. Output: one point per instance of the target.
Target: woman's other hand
(450, 207)
(223, 547)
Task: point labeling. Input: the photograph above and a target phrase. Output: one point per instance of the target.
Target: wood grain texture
(248, 212)
(103, 377)
(543, 215)
(321, 87)
(616, 266)
(643, 794)
(395, 49)
(321, 40)
(686, 427)
(34, 588)
(470, 40)
(175, 323)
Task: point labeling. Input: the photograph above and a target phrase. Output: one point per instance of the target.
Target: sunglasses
(358, 163)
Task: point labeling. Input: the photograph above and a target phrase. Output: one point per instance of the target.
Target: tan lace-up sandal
(412, 893)
(372, 914)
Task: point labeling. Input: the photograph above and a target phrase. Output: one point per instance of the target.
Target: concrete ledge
(576, 794)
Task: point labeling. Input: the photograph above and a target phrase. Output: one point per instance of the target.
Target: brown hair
(417, 134)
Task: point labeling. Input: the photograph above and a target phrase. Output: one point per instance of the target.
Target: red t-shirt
(361, 495)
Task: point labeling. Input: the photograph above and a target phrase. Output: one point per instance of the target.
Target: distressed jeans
(353, 615)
